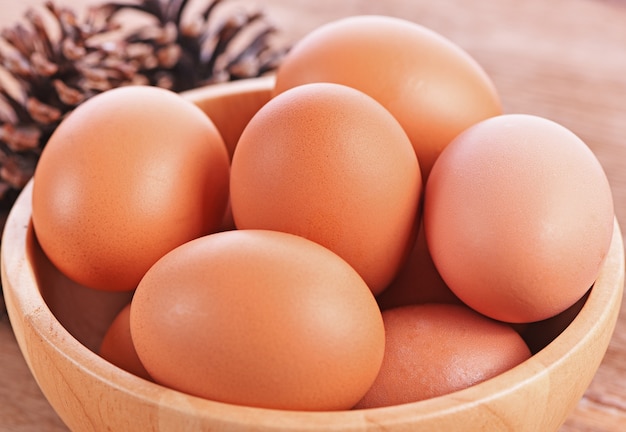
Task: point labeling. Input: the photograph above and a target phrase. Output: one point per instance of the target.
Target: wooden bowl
(59, 324)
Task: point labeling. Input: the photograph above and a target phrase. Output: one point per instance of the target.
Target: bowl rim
(26, 306)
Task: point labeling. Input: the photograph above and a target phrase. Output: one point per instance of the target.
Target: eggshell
(117, 346)
(417, 281)
(433, 87)
(331, 164)
(518, 215)
(259, 318)
(435, 349)
(128, 176)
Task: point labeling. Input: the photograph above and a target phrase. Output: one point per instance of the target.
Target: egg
(117, 346)
(518, 217)
(417, 281)
(329, 163)
(435, 349)
(130, 174)
(259, 318)
(433, 87)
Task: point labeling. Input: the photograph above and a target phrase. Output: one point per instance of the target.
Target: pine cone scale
(42, 66)
(19, 139)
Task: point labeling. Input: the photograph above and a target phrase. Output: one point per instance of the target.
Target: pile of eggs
(380, 235)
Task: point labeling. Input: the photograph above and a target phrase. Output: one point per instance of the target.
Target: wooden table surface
(561, 59)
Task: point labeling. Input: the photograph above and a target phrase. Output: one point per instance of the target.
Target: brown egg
(518, 216)
(435, 349)
(117, 346)
(417, 281)
(433, 87)
(259, 318)
(329, 163)
(128, 176)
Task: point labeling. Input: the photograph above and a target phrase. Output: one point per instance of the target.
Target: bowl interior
(536, 395)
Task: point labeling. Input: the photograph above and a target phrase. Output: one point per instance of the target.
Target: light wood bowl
(59, 324)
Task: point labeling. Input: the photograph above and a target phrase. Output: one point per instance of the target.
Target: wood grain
(563, 59)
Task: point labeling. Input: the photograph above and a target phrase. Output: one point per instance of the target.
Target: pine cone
(55, 69)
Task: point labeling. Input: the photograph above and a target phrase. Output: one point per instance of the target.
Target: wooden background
(561, 59)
